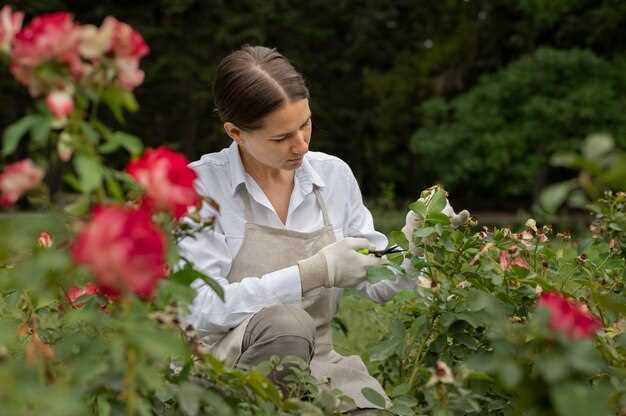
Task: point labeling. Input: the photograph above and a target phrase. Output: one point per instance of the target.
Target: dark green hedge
(370, 65)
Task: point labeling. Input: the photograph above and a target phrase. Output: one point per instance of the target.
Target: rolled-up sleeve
(209, 253)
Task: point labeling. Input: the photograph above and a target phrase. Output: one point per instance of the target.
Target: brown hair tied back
(253, 81)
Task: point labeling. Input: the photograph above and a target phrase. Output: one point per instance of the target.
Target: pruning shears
(379, 253)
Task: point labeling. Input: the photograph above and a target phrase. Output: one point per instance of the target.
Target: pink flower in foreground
(567, 316)
(10, 24)
(506, 261)
(167, 180)
(123, 249)
(44, 240)
(52, 36)
(60, 103)
(18, 178)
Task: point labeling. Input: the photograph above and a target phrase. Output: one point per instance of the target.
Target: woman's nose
(301, 146)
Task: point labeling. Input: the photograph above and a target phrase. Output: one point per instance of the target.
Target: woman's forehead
(288, 118)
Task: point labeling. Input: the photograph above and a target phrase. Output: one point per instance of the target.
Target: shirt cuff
(285, 284)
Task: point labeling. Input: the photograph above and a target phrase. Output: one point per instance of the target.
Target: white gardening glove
(338, 265)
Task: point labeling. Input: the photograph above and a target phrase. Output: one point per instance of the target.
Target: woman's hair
(253, 81)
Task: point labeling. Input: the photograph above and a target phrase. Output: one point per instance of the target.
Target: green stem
(427, 341)
(130, 382)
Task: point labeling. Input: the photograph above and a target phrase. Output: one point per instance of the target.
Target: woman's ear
(233, 131)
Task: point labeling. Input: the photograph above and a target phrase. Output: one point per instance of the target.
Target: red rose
(18, 178)
(567, 316)
(167, 180)
(10, 24)
(123, 249)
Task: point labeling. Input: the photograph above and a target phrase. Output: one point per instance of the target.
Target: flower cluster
(53, 53)
(569, 317)
(122, 247)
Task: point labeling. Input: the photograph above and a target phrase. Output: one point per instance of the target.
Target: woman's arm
(209, 253)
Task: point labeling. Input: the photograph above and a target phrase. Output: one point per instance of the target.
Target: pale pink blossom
(10, 24)
(60, 103)
(64, 148)
(442, 374)
(18, 178)
(129, 76)
(96, 42)
(506, 261)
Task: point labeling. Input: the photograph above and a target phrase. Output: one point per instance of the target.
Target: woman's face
(284, 138)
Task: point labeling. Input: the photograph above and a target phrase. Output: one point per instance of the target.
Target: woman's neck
(265, 174)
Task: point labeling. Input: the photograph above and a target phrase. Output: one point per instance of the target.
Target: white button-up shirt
(221, 176)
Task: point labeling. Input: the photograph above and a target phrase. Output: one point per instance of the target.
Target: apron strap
(320, 201)
(322, 205)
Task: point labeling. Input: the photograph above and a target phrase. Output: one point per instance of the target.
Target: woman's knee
(281, 320)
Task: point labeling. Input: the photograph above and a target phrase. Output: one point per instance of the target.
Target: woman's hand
(338, 265)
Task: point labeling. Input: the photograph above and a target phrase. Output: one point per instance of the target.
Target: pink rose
(506, 261)
(567, 316)
(52, 36)
(123, 249)
(167, 180)
(18, 178)
(44, 240)
(96, 42)
(127, 43)
(60, 103)
(10, 24)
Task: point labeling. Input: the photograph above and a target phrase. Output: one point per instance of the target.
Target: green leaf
(132, 144)
(596, 146)
(373, 396)
(90, 132)
(188, 274)
(398, 237)
(419, 208)
(438, 201)
(189, 398)
(437, 218)
(575, 399)
(79, 207)
(40, 130)
(118, 100)
(553, 196)
(14, 133)
(510, 374)
(90, 172)
(423, 232)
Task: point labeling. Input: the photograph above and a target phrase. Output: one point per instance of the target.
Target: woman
(284, 244)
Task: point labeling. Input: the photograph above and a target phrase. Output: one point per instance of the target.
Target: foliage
(544, 103)
(474, 312)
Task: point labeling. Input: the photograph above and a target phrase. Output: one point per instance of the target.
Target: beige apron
(266, 249)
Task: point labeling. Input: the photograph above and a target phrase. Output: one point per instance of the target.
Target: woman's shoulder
(325, 163)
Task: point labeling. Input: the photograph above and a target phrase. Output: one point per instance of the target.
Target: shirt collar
(306, 175)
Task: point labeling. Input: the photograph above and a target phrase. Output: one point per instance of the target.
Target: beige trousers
(280, 330)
